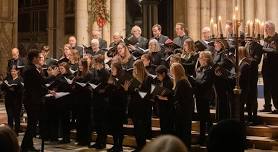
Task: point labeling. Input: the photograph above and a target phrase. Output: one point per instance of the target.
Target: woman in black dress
(117, 105)
(13, 88)
(140, 105)
(164, 97)
(82, 103)
(183, 103)
(100, 101)
(204, 80)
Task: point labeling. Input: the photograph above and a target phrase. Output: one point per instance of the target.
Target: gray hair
(270, 24)
(154, 41)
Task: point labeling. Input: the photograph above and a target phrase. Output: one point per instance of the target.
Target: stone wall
(8, 31)
(196, 14)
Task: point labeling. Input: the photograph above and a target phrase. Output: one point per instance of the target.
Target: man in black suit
(94, 49)
(16, 61)
(270, 63)
(182, 34)
(72, 42)
(102, 42)
(34, 92)
(156, 29)
(142, 42)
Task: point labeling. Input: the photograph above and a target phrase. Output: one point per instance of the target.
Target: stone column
(261, 10)
(249, 10)
(194, 19)
(272, 11)
(8, 31)
(81, 22)
(118, 17)
(213, 10)
(205, 13)
(150, 16)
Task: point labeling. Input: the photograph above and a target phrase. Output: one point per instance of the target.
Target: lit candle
(262, 28)
(236, 13)
(215, 30)
(220, 25)
(251, 29)
(247, 28)
(257, 27)
(234, 24)
(211, 26)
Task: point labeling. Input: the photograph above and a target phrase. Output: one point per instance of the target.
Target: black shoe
(98, 146)
(275, 111)
(265, 110)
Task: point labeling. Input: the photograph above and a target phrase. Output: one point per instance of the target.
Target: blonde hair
(178, 71)
(139, 71)
(207, 55)
(127, 55)
(75, 56)
(242, 52)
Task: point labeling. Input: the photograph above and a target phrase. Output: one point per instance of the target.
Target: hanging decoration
(98, 11)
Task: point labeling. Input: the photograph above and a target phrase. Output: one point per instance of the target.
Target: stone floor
(73, 147)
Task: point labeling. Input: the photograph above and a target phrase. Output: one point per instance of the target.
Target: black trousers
(204, 116)
(267, 95)
(252, 95)
(33, 115)
(13, 107)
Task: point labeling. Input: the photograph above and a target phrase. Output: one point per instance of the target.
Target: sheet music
(20, 66)
(93, 85)
(72, 71)
(48, 84)
(58, 95)
(142, 94)
(9, 85)
(69, 81)
(152, 88)
(81, 84)
(152, 75)
(144, 50)
(107, 60)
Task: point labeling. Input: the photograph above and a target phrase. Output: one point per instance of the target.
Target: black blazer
(161, 39)
(204, 80)
(12, 62)
(34, 85)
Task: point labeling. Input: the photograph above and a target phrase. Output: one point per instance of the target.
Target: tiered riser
(263, 136)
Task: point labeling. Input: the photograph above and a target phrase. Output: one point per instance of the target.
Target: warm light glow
(219, 17)
(211, 20)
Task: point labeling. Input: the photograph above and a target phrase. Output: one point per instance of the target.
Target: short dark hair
(33, 53)
(158, 27)
(8, 140)
(161, 69)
